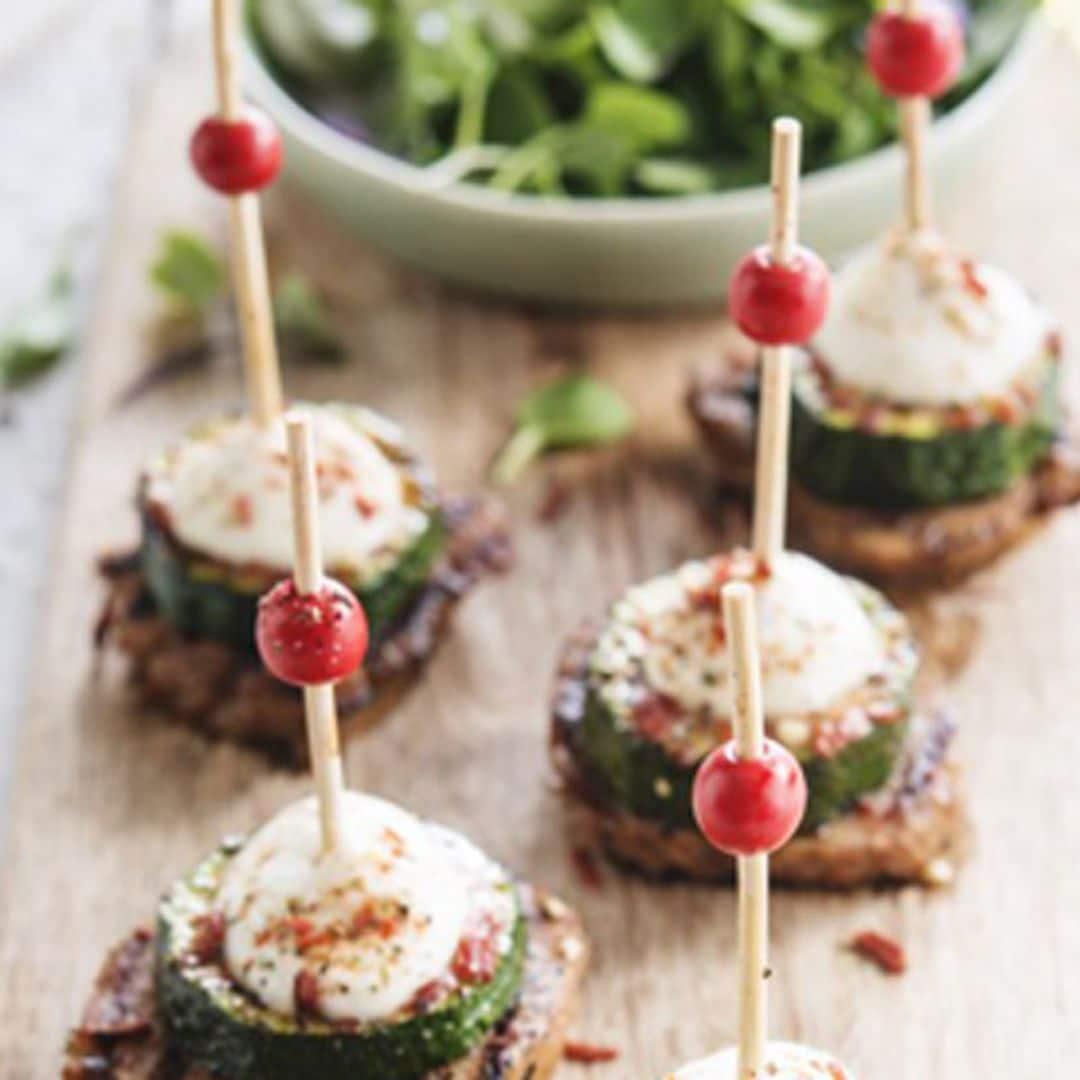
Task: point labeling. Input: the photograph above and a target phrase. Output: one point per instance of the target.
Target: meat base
(227, 694)
(914, 830)
(933, 546)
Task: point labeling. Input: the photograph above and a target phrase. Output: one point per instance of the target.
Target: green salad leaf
(571, 411)
(601, 97)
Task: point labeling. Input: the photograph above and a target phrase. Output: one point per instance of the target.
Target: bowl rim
(362, 158)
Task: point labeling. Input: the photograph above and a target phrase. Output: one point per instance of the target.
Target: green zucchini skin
(854, 466)
(221, 1029)
(204, 599)
(638, 775)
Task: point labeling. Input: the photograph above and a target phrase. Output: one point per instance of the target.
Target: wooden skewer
(748, 718)
(319, 705)
(914, 129)
(252, 282)
(771, 466)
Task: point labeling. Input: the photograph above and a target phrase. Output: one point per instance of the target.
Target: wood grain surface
(108, 806)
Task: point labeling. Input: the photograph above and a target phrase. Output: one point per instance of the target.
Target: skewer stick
(914, 129)
(771, 466)
(753, 870)
(319, 705)
(250, 276)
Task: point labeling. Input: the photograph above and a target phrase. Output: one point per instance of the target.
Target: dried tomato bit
(209, 938)
(582, 1053)
(306, 993)
(886, 952)
(242, 510)
(477, 958)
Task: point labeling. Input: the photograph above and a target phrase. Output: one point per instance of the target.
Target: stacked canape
(643, 699)
(214, 509)
(748, 797)
(927, 428)
(345, 938)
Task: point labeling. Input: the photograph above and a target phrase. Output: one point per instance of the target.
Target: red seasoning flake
(365, 507)
(242, 511)
(209, 937)
(306, 993)
(554, 503)
(582, 1053)
(971, 280)
(886, 952)
(588, 869)
(477, 958)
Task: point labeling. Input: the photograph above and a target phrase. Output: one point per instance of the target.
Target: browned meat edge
(933, 546)
(121, 1037)
(226, 694)
(918, 834)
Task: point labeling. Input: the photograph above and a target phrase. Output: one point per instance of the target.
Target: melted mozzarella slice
(817, 644)
(226, 490)
(784, 1061)
(915, 325)
(373, 922)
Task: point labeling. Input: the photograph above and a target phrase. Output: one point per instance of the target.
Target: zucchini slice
(219, 1027)
(847, 753)
(202, 596)
(905, 457)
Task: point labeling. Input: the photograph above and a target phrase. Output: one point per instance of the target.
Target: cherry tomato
(237, 156)
(313, 639)
(916, 57)
(779, 304)
(749, 806)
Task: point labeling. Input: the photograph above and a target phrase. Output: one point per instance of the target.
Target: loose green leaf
(674, 176)
(794, 25)
(40, 334)
(188, 271)
(571, 411)
(647, 118)
(303, 321)
(624, 48)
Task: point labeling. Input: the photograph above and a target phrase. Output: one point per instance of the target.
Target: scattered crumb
(554, 503)
(587, 867)
(886, 952)
(940, 872)
(583, 1053)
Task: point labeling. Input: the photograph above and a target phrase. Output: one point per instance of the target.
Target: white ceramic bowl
(608, 252)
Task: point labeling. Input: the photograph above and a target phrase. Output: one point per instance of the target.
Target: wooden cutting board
(109, 805)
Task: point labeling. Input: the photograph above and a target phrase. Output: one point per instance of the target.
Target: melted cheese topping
(784, 1061)
(226, 491)
(372, 923)
(817, 643)
(915, 325)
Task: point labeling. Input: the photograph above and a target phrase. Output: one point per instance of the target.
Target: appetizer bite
(643, 698)
(927, 430)
(748, 796)
(345, 939)
(214, 509)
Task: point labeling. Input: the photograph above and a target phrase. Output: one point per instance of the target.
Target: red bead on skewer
(916, 55)
(307, 639)
(238, 156)
(777, 303)
(749, 806)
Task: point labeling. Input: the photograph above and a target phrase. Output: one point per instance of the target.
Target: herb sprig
(571, 411)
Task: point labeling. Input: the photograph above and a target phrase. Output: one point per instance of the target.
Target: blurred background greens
(599, 97)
